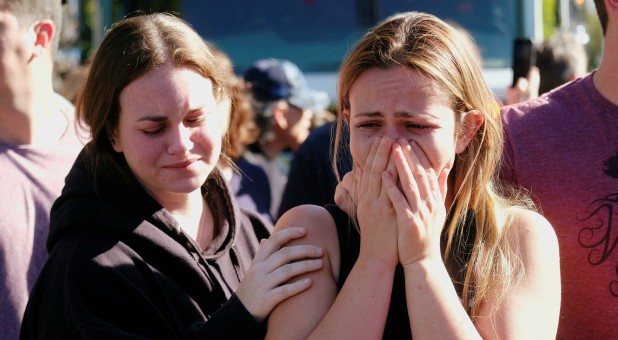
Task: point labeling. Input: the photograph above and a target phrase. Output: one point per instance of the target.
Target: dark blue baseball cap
(275, 79)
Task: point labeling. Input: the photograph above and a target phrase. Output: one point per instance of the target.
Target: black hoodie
(120, 267)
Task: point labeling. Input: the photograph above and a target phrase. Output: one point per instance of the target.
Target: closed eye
(416, 126)
(154, 132)
(194, 120)
(369, 124)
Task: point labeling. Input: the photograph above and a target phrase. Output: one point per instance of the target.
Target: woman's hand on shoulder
(297, 316)
(270, 279)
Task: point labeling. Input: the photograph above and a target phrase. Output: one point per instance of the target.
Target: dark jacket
(120, 267)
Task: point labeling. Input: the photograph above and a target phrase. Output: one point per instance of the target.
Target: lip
(181, 165)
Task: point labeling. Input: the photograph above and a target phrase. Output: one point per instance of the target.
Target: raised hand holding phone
(526, 76)
(524, 57)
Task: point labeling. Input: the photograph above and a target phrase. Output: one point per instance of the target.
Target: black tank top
(397, 322)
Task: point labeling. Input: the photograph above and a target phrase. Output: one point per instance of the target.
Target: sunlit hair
(130, 49)
(29, 11)
(424, 43)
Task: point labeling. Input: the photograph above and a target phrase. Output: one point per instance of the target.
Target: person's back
(38, 144)
(563, 148)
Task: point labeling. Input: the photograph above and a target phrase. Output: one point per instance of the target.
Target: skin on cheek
(359, 148)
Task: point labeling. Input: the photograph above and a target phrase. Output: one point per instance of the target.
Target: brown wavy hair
(131, 48)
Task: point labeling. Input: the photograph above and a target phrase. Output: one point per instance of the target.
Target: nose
(393, 133)
(179, 140)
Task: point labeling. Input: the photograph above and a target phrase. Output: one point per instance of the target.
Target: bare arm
(434, 308)
(268, 280)
(360, 309)
(321, 310)
(530, 308)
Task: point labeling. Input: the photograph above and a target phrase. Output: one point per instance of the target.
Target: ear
(44, 30)
(280, 114)
(346, 116)
(114, 140)
(472, 121)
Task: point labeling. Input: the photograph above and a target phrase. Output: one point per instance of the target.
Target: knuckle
(285, 252)
(283, 292)
(287, 269)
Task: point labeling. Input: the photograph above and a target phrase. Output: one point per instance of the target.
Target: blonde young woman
(432, 246)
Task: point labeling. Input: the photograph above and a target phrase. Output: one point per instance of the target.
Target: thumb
(345, 193)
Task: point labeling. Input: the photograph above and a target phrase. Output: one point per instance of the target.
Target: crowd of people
(161, 195)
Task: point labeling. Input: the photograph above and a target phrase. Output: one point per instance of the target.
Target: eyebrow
(156, 117)
(398, 114)
(153, 118)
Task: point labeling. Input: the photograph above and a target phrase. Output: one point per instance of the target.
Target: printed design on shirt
(601, 235)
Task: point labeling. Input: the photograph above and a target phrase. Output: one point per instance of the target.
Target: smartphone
(524, 56)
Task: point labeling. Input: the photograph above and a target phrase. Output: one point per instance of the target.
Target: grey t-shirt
(31, 178)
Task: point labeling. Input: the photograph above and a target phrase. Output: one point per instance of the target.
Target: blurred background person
(241, 130)
(559, 60)
(71, 84)
(38, 145)
(284, 106)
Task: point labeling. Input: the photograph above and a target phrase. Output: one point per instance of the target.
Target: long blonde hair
(426, 44)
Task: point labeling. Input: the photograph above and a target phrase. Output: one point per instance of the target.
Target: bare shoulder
(315, 219)
(531, 230)
(320, 226)
(526, 220)
(312, 217)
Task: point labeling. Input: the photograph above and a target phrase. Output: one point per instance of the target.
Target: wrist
(376, 265)
(427, 266)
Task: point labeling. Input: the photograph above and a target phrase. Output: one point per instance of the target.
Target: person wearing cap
(284, 105)
(38, 144)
